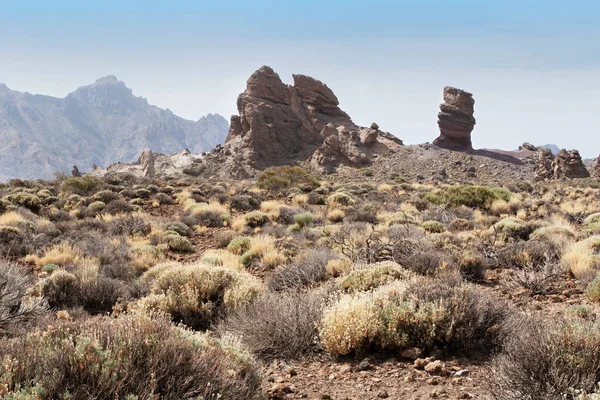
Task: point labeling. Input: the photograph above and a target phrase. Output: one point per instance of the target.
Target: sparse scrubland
(295, 285)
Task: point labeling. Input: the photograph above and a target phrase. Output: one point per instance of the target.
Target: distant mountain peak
(100, 123)
(4, 88)
(107, 79)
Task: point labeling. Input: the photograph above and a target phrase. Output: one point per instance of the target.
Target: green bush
(179, 244)
(255, 219)
(26, 200)
(512, 227)
(83, 186)
(276, 179)
(179, 227)
(372, 276)
(239, 245)
(130, 357)
(340, 198)
(593, 290)
(247, 258)
(304, 219)
(470, 196)
(433, 226)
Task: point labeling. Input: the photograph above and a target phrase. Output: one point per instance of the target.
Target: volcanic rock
(282, 124)
(568, 164)
(146, 160)
(596, 170)
(75, 172)
(543, 168)
(456, 120)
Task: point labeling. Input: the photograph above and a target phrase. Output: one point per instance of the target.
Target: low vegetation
(137, 289)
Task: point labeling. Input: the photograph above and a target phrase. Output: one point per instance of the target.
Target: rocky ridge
(100, 124)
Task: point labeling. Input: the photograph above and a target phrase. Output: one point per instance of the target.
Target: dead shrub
(546, 360)
(282, 325)
(124, 358)
(307, 270)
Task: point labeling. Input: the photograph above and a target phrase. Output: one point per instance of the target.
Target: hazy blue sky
(533, 65)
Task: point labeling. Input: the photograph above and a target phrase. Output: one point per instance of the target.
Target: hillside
(101, 123)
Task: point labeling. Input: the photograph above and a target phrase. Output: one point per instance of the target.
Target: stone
(543, 169)
(436, 367)
(568, 164)
(412, 353)
(146, 160)
(596, 170)
(462, 372)
(364, 365)
(75, 172)
(455, 120)
(528, 146)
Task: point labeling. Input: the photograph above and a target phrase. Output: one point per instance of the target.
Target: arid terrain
(306, 258)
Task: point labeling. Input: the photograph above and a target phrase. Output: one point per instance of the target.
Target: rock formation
(146, 160)
(456, 120)
(75, 172)
(528, 146)
(568, 164)
(283, 124)
(596, 170)
(543, 169)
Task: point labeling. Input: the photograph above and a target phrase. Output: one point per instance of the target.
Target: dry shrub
(128, 357)
(282, 325)
(582, 258)
(307, 270)
(423, 312)
(130, 225)
(546, 360)
(338, 267)
(210, 214)
(196, 294)
(16, 308)
(336, 215)
(368, 277)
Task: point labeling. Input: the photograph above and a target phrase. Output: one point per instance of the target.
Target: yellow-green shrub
(195, 294)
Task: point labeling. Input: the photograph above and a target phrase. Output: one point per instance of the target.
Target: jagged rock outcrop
(543, 169)
(456, 120)
(146, 160)
(596, 168)
(283, 124)
(568, 164)
(528, 146)
(565, 164)
(75, 172)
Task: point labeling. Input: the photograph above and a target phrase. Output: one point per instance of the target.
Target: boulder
(568, 164)
(456, 120)
(528, 146)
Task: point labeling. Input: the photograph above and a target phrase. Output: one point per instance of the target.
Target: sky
(532, 65)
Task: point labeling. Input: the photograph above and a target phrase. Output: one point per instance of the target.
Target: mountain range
(100, 124)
